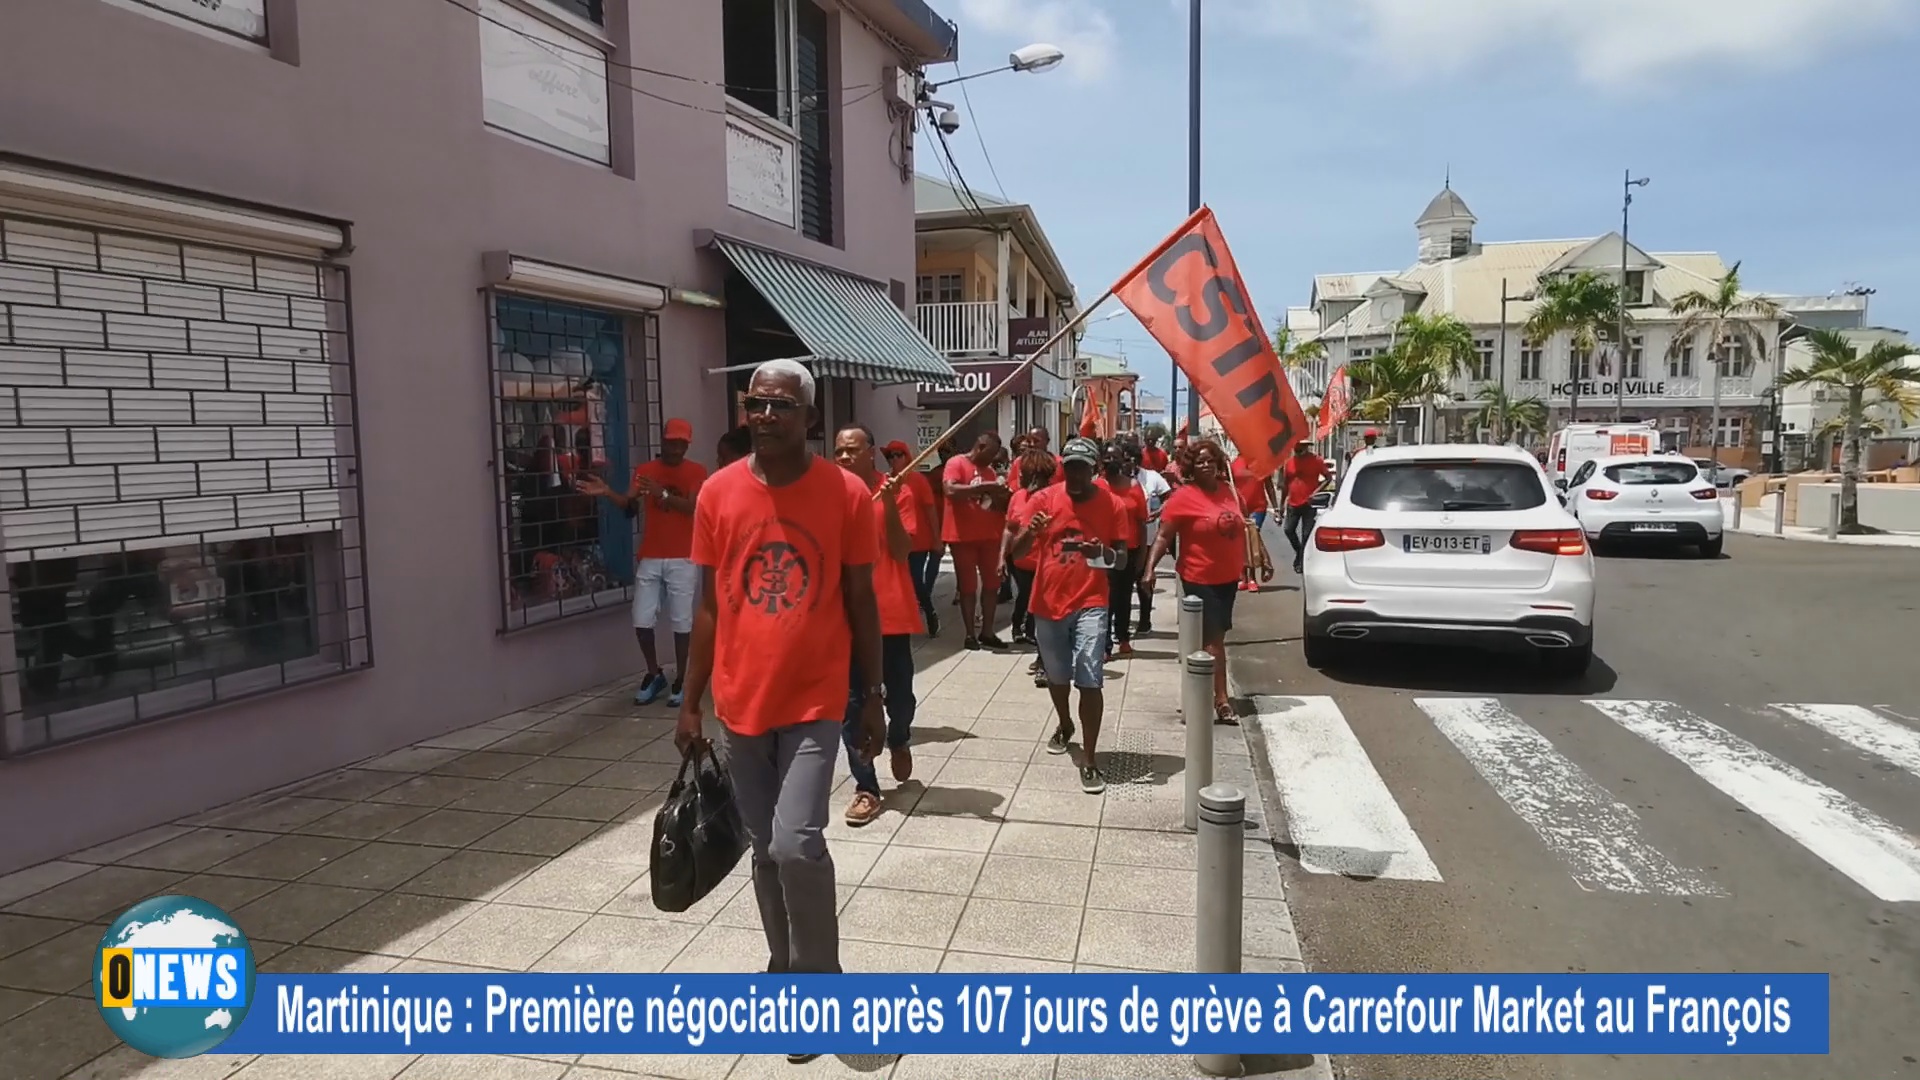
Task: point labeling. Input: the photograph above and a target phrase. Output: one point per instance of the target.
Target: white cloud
(1080, 28)
(1612, 43)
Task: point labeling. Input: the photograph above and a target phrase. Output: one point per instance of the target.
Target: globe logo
(174, 977)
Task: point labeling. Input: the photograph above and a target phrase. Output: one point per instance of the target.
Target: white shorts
(676, 582)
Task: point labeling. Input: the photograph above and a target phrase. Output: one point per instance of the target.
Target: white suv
(1454, 544)
(1656, 499)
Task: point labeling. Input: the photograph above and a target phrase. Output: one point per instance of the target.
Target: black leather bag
(698, 837)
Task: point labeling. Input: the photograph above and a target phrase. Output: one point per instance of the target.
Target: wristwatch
(877, 691)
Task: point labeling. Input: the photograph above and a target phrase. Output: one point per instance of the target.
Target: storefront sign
(247, 18)
(543, 83)
(760, 171)
(928, 426)
(1634, 388)
(977, 380)
(1025, 336)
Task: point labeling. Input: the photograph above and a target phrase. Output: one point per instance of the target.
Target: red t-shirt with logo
(922, 525)
(892, 579)
(1134, 501)
(1304, 475)
(1019, 511)
(1212, 534)
(967, 520)
(1063, 583)
(1252, 489)
(664, 533)
(783, 646)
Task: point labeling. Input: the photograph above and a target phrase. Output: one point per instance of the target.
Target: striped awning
(848, 324)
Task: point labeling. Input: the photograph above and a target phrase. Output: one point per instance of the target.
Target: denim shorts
(1074, 649)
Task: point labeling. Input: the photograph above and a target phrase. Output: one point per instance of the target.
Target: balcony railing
(968, 328)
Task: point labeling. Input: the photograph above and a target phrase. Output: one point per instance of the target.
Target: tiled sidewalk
(521, 844)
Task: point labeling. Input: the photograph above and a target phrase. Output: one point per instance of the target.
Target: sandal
(1223, 713)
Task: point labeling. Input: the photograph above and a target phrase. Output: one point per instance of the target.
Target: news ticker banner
(175, 978)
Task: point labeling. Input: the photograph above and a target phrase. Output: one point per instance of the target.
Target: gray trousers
(781, 783)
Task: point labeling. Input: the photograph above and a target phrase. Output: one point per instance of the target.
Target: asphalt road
(1695, 878)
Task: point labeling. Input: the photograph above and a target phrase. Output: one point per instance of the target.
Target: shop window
(179, 495)
(758, 55)
(814, 119)
(242, 18)
(564, 398)
(543, 83)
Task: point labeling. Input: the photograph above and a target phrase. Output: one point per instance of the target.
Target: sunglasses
(778, 406)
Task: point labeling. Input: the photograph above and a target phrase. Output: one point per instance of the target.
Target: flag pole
(993, 395)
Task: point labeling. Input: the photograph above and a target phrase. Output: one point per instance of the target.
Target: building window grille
(179, 481)
(569, 385)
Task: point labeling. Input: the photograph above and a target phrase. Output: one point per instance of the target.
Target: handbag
(698, 836)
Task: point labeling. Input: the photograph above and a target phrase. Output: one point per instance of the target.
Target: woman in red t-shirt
(1117, 466)
(977, 497)
(1205, 517)
(1035, 469)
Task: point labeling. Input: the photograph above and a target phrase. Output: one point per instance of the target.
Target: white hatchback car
(1449, 544)
(1660, 499)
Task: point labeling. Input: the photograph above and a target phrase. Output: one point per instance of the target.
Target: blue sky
(1776, 132)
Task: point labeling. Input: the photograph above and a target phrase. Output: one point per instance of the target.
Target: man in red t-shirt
(1081, 531)
(664, 574)
(977, 498)
(1304, 473)
(896, 523)
(923, 558)
(785, 544)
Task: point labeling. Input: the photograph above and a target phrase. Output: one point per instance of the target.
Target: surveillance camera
(949, 121)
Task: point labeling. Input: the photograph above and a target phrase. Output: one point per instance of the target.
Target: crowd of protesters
(794, 585)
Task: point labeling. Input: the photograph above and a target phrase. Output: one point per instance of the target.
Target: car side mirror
(1560, 486)
(1321, 500)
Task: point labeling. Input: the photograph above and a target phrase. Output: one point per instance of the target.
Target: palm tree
(1441, 342)
(1386, 382)
(1295, 354)
(1509, 416)
(1586, 308)
(1721, 316)
(1882, 372)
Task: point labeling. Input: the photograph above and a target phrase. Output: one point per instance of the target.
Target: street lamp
(1031, 59)
(1620, 339)
(1193, 164)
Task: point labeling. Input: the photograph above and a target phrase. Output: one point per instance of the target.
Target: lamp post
(1504, 300)
(1620, 338)
(1193, 166)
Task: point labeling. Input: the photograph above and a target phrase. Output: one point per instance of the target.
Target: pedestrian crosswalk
(1343, 818)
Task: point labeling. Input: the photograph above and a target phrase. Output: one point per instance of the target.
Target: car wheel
(1568, 663)
(1321, 651)
(1711, 549)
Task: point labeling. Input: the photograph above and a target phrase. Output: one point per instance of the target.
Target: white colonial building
(1489, 286)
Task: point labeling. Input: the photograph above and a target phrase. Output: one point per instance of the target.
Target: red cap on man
(677, 431)
(1371, 434)
(897, 447)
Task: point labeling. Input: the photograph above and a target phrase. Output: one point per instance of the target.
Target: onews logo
(173, 977)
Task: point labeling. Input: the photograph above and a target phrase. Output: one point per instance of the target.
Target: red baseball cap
(677, 431)
(897, 447)
(1372, 434)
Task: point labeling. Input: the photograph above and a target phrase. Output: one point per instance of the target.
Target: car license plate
(1656, 527)
(1446, 543)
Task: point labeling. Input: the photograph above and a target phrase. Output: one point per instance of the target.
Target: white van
(1576, 444)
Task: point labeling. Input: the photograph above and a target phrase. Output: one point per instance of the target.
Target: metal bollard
(1190, 625)
(1833, 516)
(1736, 512)
(1217, 889)
(1780, 512)
(1196, 700)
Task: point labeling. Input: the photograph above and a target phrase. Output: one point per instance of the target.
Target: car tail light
(1600, 494)
(1329, 539)
(1703, 494)
(1551, 541)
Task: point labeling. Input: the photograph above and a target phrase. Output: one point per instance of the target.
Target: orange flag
(1189, 295)
(1090, 420)
(1334, 405)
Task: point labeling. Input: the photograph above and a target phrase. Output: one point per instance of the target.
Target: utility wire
(974, 120)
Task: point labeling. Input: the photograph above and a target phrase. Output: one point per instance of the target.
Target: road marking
(1847, 836)
(1864, 730)
(1339, 812)
(1596, 835)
